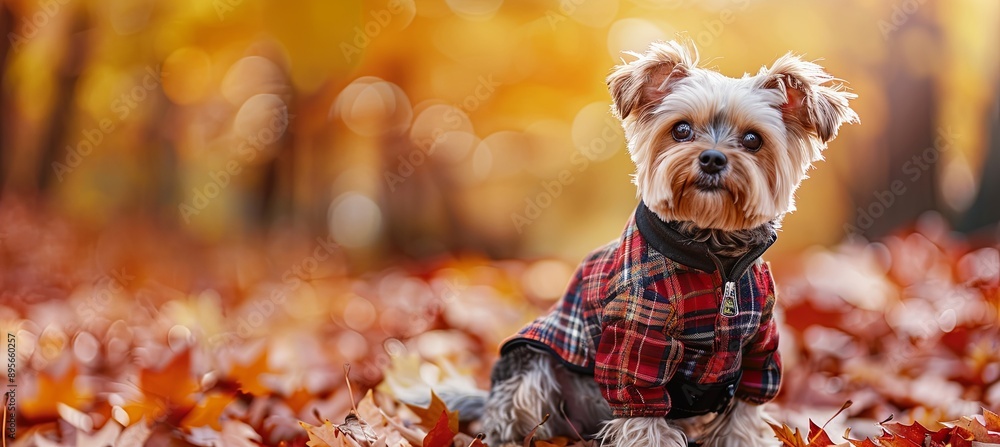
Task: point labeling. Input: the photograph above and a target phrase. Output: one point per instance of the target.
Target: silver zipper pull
(729, 306)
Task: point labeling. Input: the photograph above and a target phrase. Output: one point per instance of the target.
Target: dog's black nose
(712, 161)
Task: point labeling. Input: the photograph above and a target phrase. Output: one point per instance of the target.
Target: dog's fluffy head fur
(792, 109)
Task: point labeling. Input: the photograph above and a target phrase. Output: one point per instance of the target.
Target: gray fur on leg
(582, 401)
(524, 390)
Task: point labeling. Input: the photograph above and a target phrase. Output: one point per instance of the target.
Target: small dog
(666, 336)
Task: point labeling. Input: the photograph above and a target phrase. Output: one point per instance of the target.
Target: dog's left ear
(813, 100)
(642, 83)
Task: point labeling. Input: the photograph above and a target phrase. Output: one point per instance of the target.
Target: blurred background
(410, 130)
(276, 188)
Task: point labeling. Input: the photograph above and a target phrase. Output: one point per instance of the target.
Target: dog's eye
(682, 131)
(751, 141)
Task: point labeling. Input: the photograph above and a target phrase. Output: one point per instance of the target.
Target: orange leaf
(429, 416)
(441, 435)
(208, 411)
(321, 436)
(248, 376)
(173, 384)
(992, 420)
(978, 430)
(787, 437)
(50, 391)
(558, 441)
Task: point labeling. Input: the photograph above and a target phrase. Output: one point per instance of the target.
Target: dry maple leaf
(442, 434)
(531, 434)
(980, 430)
(558, 441)
(171, 388)
(325, 435)
(817, 436)
(50, 391)
(429, 416)
(247, 377)
(209, 411)
(357, 429)
(233, 434)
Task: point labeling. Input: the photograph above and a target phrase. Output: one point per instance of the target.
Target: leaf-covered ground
(134, 335)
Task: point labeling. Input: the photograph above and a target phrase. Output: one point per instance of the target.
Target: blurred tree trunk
(910, 130)
(985, 211)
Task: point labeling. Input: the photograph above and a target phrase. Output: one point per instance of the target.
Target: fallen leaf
(531, 434)
(50, 391)
(429, 416)
(788, 437)
(358, 430)
(325, 435)
(442, 434)
(208, 411)
(248, 376)
(173, 384)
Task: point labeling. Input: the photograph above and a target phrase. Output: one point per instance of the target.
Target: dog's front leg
(641, 432)
(524, 390)
(743, 425)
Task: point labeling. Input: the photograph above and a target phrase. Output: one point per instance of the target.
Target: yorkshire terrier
(667, 335)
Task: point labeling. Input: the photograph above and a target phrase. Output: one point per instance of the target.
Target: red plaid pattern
(638, 320)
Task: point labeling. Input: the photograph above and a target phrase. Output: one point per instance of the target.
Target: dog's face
(723, 153)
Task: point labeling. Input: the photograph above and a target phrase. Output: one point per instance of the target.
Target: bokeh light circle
(370, 106)
(475, 9)
(261, 120)
(186, 76)
(253, 75)
(632, 34)
(354, 220)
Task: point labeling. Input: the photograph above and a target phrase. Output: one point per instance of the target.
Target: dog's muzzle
(693, 399)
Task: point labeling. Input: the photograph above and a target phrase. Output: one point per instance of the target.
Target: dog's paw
(743, 426)
(641, 432)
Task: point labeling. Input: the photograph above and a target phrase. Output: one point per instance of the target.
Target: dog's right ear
(636, 85)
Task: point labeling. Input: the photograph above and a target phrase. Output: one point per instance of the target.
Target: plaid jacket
(645, 324)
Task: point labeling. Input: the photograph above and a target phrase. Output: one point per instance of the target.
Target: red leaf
(441, 435)
(818, 437)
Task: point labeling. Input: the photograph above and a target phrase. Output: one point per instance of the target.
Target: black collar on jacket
(674, 245)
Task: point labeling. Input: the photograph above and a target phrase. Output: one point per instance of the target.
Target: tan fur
(641, 432)
(742, 425)
(790, 105)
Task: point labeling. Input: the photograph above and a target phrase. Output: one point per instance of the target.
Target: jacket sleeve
(761, 359)
(634, 361)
